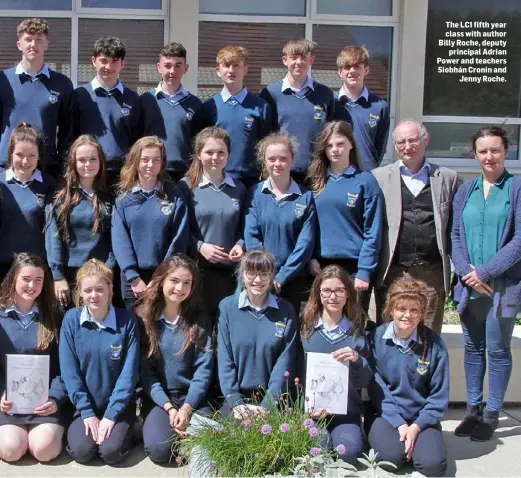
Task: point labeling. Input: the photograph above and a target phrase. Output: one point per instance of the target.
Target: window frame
(312, 18)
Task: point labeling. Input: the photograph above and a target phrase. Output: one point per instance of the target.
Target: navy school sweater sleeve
(371, 121)
(350, 220)
(184, 378)
(81, 243)
(360, 373)
(46, 103)
(246, 123)
(112, 118)
(148, 229)
(100, 367)
(176, 123)
(302, 117)
(407, 387)
(22, 217)
(255, 349)
(16, 338)
(285, 228)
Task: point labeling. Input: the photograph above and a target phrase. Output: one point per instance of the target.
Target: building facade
(401, 35)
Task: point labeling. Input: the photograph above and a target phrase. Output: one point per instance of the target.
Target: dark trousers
(82, 448)
(486, 334)
(429, 455)
(345, 430)
(432, 275)
(158, 436)
(296, 291)
(351, 266)
(217, 283)
(126, 290)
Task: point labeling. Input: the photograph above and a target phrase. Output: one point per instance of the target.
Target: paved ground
(499, 457)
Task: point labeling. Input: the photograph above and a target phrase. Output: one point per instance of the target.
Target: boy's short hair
(173, 50)
(111, 47)
(231, 54)
(353, 55)
(33, 26)
(300, 47)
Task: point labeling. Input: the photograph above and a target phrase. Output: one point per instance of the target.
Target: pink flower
(257, 455)
(211, 465)
(178, 459)
(340, 449)
(313, 432)
(314, 451)
(220, 428)
(246, 424)
(308, 423)
(284, 428)
(297, 380)
(265, 429)
(286, 374)
(313, 471)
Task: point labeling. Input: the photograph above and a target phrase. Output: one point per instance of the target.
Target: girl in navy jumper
(78, 222)
(29, 325)
(177, 357)
(150, 221)
(23, 193)
(349, 208)
(410, 389)
(215, 205)
(256, 336)
(99, 357)
(333, 323)
(281, 218)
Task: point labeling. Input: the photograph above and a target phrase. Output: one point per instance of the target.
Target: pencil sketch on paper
(326, 384)
(27, 382)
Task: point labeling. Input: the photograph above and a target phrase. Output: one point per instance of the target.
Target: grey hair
(421, 128)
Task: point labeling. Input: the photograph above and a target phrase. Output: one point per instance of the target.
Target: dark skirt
(17, 419)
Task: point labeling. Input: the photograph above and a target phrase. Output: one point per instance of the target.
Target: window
(251, 7)
(354, 7)
(263, 41)
(58, 57)
(140, 4)
(143, 40)
(35, 5)
(332, 38)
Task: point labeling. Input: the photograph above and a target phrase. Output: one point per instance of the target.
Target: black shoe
(473, 416)
(484, 430)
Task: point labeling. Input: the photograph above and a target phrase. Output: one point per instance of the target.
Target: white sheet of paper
(27, 382)
(327, 384)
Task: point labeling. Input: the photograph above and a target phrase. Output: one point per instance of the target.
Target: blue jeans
(486, 334)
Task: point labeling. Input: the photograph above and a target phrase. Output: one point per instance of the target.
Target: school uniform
(342, 429)
(67, 255)
(410, 385)
(350, 218)
(22, 216)
(19, 335)
(112, 117)
(286, 228)
(100, 368)
(147, 228)
(254, 349)
(302, 114)
(174, 378)
(44, 101)
(176, 119)
(369, 116)
(247, 119)
(216, 217)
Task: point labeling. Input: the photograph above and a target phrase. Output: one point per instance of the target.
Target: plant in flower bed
(283, 441)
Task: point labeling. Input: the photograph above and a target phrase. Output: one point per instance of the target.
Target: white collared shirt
(226, 95)
(403, 343)
(336, 332)
(138, 188)
(415, 182)
(207, 182)
(109, 322)
(308, 84)
(90, 194)
(347, 172)
(293, 189)
(36, 176)
(25, 319)
(44, 71)
(171, 324)
(364, 94)
(176, 97)
(244, 302)
(96, 84)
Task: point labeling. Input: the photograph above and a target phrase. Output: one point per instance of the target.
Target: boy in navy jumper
(33, 93)
(246, 117)
(170, 112)
(105, 108)
(368, 113)
(410, 390)
(301, 106)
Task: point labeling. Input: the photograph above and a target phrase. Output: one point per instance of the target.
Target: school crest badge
(190, 114)
(236, 204)
(248, 123)
(280, 327)
(125, 111)
(373, 120)
(53, 98)
(351, 199)
(40, 199)
(422, 366)
(115, 352)
(318, 112)
(300, 209)
(167, 208)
